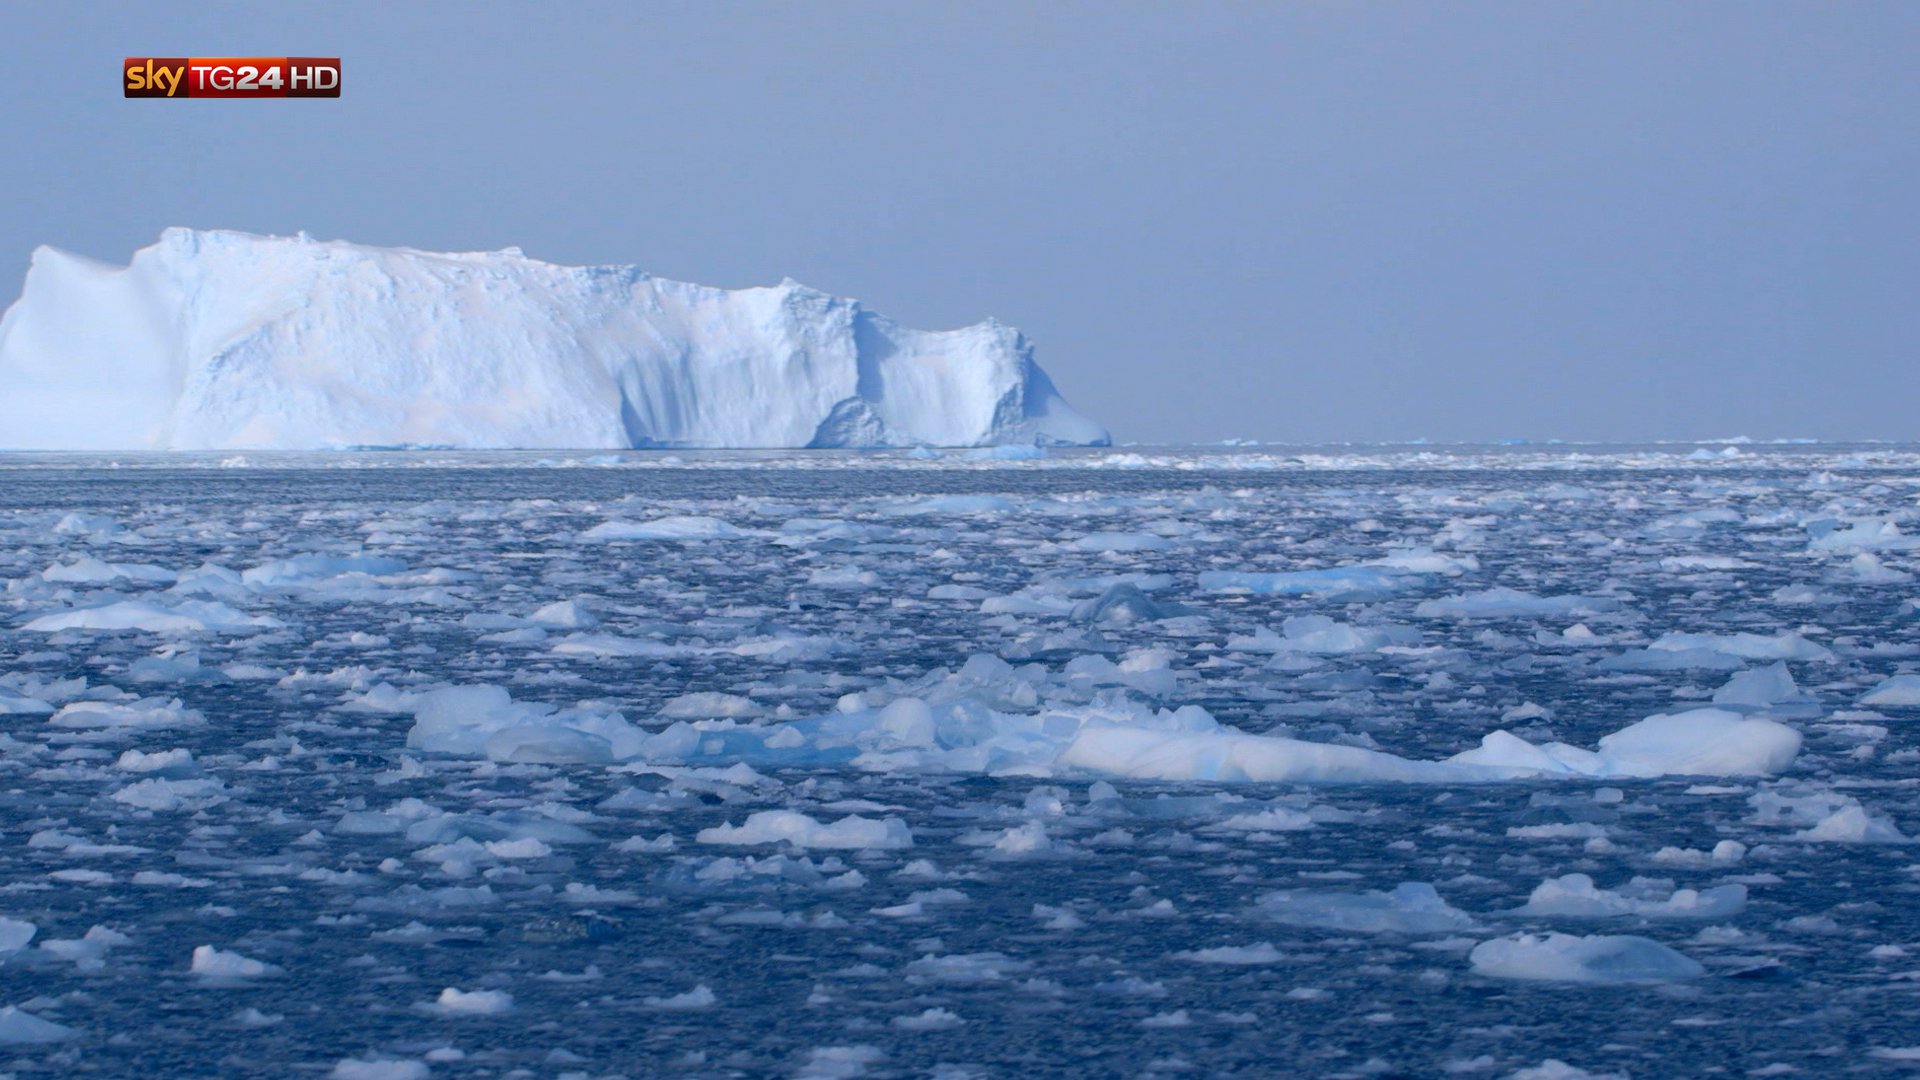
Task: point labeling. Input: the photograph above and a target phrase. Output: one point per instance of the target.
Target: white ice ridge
(227, 340)
(973, 722)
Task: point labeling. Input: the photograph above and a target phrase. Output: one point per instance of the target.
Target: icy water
(292, 712)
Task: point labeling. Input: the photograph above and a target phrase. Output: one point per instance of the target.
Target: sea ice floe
(1759, 688)
(181, 617)
(1785, 646)
(1601, 958)
(218, 964)
(1322, 635)
(1410, 908)
(1502, 602)
(15, 934)
(682, 528)
(454, 1001)
(1825, 816)
(21, 1028)
(1898, 691)
(951, 724)
(800, 830)
(1576, 896)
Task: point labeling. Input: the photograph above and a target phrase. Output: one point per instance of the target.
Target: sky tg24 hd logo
(231, 76)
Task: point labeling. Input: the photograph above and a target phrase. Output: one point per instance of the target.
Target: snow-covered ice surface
(1221, 761)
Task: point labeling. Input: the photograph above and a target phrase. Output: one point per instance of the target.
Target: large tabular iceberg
(226, 340)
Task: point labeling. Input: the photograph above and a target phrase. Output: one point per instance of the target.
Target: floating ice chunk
(839, 1062)
(1867, 569)
(1505, 603)
(172, 666)
(683, 528)
(1759, 688)
(1124, 603)
(346, 678)
(1575, 895)
(475, 721)
(1260, 952)
(21, 1028)
(1785, 646)
(1272, 819)
(212, 963)
(1555, 1069)
(1899, 691)
(525, 847)
(791, 648)
(160, 794)
(700, 997)
(87, 952)
(843, 577)
(932, 1019)
(15, 934)
(144, 713)
(1804, 594)
(564, 615)
(1030, 838)
(976, 720)
(1854, 825)
(1321, 635)
(981, 967)
(707, 705)
(1411, 908)
(183, 617)
(379, 1069)
(1828, 816)
(87, 570)
(1125, 739)
(603, 645)
(793, 827)
(1671, 660)
(1699, 742)
(1423, 560)
(1860, 534)
(1685, 563)
(954, 505)
(1188, 744)
(1724, 853)
(15, 704)
(303, 570)
(1595, 959)
(456, 1002)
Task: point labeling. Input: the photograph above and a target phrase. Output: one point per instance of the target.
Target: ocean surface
(246, 831)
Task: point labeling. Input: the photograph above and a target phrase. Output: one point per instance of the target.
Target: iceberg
(226, 340)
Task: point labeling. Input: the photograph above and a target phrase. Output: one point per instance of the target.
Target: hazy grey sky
(1286, 220)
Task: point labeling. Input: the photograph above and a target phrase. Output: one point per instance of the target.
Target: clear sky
(1292, 221)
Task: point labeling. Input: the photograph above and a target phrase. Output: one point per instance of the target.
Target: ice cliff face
(218, 340)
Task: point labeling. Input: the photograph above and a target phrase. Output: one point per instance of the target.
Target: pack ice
(227, 340)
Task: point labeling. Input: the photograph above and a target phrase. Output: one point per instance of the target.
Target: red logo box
(231, 76)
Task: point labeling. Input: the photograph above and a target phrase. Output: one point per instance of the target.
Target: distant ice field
(1312, 761)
